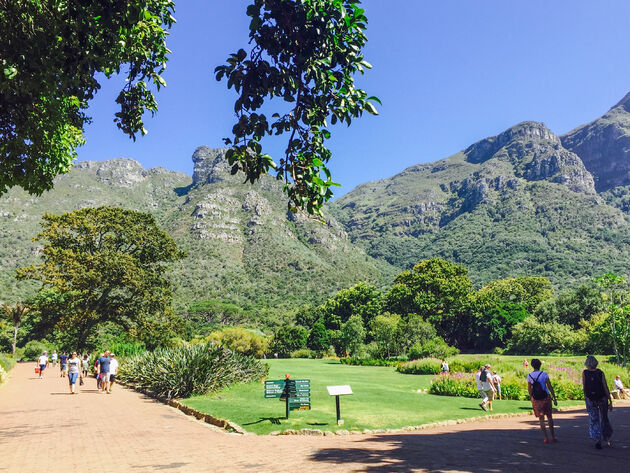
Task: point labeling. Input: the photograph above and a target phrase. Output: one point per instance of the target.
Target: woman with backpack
(541, 394)
(598, 402)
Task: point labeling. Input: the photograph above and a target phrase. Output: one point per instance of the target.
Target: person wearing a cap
(113, 370)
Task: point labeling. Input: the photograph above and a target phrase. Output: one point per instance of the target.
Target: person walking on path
(103, 371)
(497, 383)
(113, 370)
(53, 358)
(74, 368)
(63, 364)
(487, 388)
(85, 366)
(598, 402)
(42, 361)
(541, 394)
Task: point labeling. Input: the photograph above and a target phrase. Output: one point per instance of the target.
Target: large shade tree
(51, 53)
(102, 264)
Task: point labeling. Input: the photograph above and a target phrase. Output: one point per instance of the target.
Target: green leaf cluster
(52, 52)
(305, 54)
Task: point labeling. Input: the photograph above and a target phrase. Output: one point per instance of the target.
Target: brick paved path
(45, 430)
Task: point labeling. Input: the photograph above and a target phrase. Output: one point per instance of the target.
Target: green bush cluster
(6, 361)
(368, 362)
(434, 348)
(421, 366)
(446, 385)
(33, 349)
(189, 369)
(305, 353)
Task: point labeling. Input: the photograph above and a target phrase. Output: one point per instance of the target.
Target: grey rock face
(209, 165)
(123, 172)
(488, 147)
(604, 146)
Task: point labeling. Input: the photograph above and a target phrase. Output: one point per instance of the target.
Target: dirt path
(44, 429)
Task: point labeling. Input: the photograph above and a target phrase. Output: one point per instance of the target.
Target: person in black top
(63, 364)
(598, 402)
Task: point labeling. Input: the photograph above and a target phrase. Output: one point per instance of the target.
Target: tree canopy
(305, 53)
(102, 265)
(51, 52)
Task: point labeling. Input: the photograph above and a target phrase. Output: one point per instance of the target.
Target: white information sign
(339, 390)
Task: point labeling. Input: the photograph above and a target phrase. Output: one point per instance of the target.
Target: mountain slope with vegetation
(519, 203)
(242, 245)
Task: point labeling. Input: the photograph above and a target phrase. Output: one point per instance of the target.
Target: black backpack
(483, 377)
(593, 388)
(538, 391)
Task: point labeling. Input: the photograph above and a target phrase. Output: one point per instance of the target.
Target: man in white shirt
(620, 388)
(487, 388)
(42, 361)
(113, 370)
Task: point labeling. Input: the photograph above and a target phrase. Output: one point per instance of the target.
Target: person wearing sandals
(598, 402)
(541, 394)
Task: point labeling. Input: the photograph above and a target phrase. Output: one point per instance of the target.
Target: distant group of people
(77, 368)
(488, 385)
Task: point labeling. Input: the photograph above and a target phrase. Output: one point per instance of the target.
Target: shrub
(368, 362)
(533, 336)
(126, 348)
(241, 340)
(3, 375)
(189, 369)
(6, 362)
(421, 366)
(462, 385)
(33, 349)
(304, 353)
(435, 348)
(288, 339)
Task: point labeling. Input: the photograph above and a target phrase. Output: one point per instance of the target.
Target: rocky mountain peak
(210, 165)
(488, 147)
(123, 172)
(624, 103)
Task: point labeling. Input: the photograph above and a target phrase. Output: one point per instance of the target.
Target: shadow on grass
(507, 446)
(273, 420)
(318, 423)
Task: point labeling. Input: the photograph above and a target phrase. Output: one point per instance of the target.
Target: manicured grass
(382, 399)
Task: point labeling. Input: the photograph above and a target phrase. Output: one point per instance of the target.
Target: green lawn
(382, 399)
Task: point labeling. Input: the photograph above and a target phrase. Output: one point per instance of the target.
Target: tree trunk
(15, 332)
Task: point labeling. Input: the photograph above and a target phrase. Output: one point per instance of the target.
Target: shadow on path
(487, 449)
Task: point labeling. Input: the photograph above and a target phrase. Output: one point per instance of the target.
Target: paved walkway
(43, 429)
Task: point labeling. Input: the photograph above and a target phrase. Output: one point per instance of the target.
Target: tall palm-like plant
(16, 315)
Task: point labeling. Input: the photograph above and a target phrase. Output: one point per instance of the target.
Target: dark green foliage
(368, 362)
(318, 338)
(415, 330)
(189, 369)
(305, 52)
(495, 327)
(104, 264)
(289, 339)
(533, 336)
(572, 305)
(435, 348)
(33, 349)
(361, 299)
(50, 55)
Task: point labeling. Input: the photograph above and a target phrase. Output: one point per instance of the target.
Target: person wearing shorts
(103, 371)
(74, 368)
(53, 358)
(63, 364)
(42, 361)
(85, 366)
(113, 370)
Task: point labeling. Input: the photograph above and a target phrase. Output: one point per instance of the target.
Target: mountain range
(523, 202)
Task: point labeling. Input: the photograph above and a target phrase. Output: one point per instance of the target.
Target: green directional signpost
(295, 392)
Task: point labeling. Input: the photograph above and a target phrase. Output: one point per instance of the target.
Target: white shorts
(105, 377)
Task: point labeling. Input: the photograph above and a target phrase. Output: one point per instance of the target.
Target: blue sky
(449, 73)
